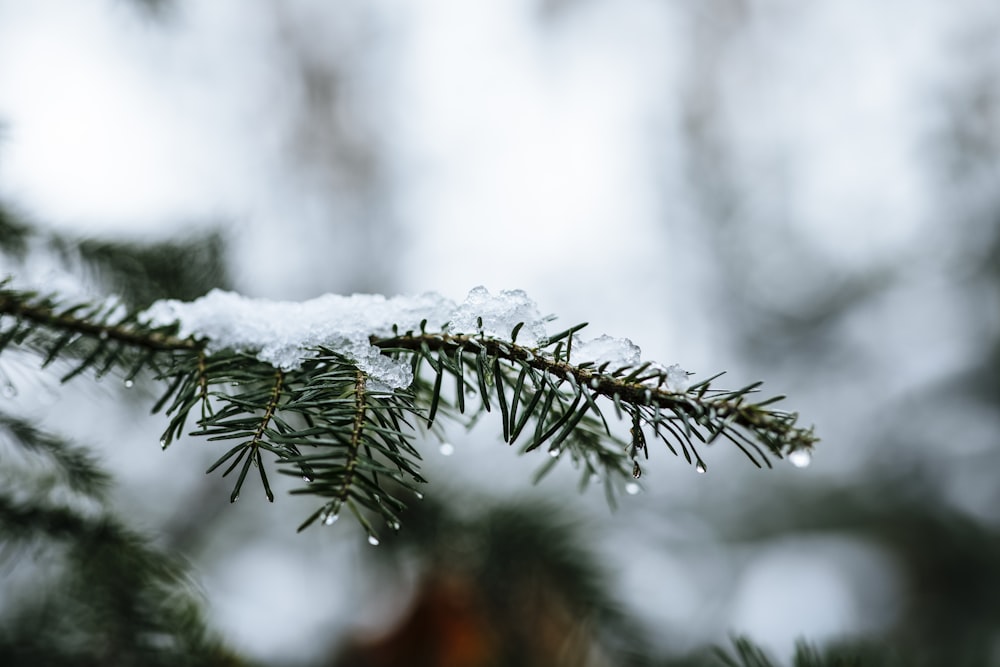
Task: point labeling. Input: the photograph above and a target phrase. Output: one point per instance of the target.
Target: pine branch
(702, 412)
(138, 273)
(45, 311)
(748, 654)
(745, 653)
(348, 436)
(76, 468)
(116, 599)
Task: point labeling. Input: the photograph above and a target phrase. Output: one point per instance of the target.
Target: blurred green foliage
(84, 588)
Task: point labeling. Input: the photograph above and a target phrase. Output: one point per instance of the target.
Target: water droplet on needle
(800, 458)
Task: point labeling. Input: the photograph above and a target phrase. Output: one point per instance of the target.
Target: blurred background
(802, 193)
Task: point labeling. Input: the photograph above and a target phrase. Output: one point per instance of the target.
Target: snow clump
(622, 353)
(285, 333)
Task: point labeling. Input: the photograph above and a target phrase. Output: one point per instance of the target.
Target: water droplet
(419, 495)
(372, 540)
(103, 335)
(800, 458)
(701, 467)
(306, 478)
(554, 453)
(330, 518)
(163, 443)
(446, 449)
(594, 383)
(595, 478)
(631, 488)
(394, 525)
(636, 470)
(9, 390)
(129, 383)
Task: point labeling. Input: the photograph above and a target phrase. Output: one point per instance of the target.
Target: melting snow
(675, 378)
(500, 314)
(284, 333)
(620, 353)
(615, 352)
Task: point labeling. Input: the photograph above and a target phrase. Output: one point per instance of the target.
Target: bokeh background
(802, 193)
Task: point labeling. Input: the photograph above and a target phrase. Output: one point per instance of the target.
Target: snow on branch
(336, 389)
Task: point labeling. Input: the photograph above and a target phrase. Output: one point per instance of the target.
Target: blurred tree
(499, 586)
(84, 589)
(924, 491)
